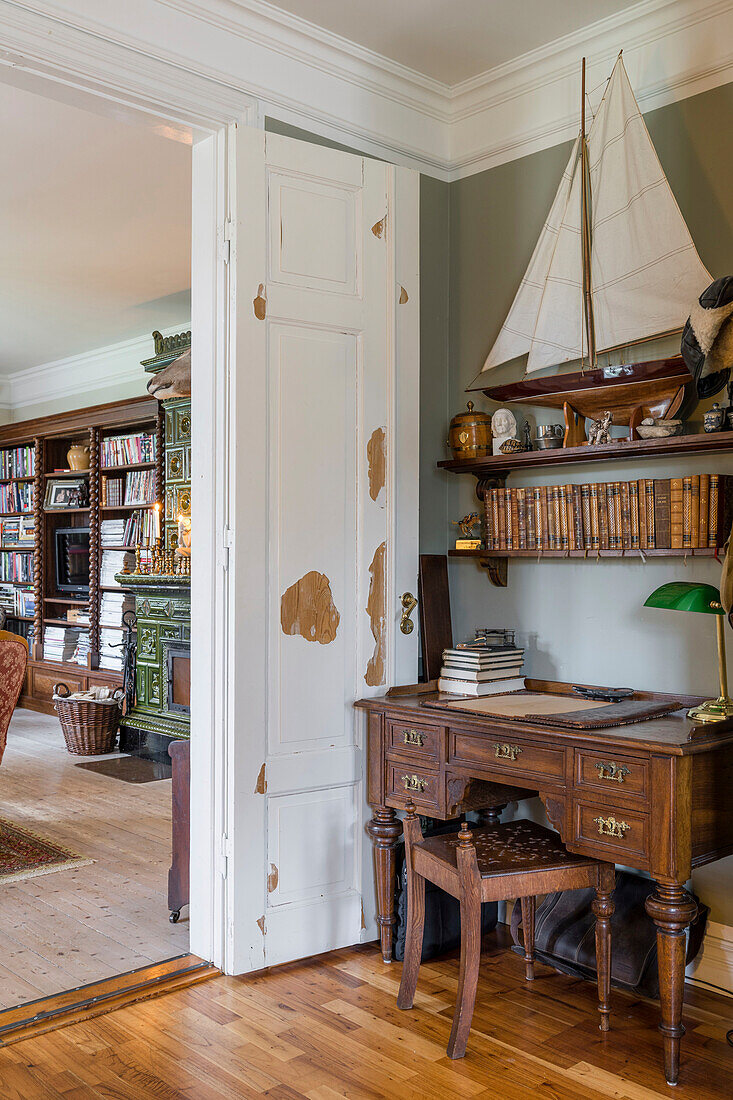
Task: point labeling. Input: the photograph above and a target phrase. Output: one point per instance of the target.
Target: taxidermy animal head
(174, 380)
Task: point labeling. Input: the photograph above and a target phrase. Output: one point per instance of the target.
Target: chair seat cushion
(509, 847)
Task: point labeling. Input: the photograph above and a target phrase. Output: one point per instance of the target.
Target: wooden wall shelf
(501, 465)
(591, 555)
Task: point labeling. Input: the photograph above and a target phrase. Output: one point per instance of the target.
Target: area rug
(25, 855)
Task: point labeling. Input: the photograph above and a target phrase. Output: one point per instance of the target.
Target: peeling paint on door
(307, 608)
(377, 458)
(272, 878)
(377, 613)
(379, 227)
(260, 303)
(261, 784)
(404, 297)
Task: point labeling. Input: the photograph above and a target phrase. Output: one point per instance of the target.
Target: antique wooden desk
(656, 796)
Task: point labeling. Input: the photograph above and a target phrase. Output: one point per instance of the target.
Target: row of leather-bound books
(646, 514)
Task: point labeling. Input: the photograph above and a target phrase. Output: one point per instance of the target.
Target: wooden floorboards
(70, 928)
(330, 1028)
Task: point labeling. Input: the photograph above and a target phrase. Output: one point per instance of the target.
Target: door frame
(193, 106)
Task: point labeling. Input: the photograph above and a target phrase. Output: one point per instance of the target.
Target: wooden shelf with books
(684, 516)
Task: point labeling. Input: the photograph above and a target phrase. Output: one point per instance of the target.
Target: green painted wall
(585, 620)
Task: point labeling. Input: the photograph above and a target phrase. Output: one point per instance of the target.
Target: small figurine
(467, 524)
(503, 427)
(714, 418)
(600, 430)
(527, 436)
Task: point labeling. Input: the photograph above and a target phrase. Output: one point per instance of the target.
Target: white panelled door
(322, 322)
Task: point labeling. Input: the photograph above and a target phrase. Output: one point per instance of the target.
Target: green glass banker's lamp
(704, 598)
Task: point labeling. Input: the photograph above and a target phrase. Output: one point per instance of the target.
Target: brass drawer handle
(609, 826)
(412, 737)
(611, 770)
(506, 752)
(414, 783)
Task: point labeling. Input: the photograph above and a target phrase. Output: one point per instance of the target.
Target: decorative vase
(78, 456)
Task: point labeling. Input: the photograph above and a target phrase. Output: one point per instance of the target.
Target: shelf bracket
(496, 568)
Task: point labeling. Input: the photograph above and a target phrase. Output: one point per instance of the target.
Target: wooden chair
(13, 663)
(516, 859)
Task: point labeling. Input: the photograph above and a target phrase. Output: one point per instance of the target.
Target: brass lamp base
(714, 710)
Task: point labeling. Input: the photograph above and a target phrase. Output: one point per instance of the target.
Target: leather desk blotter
(564, 712)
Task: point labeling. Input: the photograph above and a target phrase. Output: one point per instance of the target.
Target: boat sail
(615, 263)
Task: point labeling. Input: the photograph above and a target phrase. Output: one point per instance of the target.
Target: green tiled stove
(163, 604)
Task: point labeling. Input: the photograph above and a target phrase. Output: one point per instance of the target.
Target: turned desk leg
(671, 908)
(384, 831)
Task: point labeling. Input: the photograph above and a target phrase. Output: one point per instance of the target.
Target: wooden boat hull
(656, 387)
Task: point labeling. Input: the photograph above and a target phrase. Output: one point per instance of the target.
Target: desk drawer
(508, 754)
(619, 836)
(612, 774)
(407, 781)
(408, 739)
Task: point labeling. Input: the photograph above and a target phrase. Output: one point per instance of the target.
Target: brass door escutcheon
(412, 737)
(409, 603)
(612, 771)
(413, 783)
(506, 752)
(609, 826)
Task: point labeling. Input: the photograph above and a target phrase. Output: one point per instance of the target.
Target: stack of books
(83, 648)
(111, 492)
(113, 607)
(110, 650)
(481, 670)
(7, 598)
(18, 462)
(140, 528)
(112, 532)
(647, 514)
(59, 643)
(113, 561)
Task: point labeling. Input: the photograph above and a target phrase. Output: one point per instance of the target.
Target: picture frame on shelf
(68, 492)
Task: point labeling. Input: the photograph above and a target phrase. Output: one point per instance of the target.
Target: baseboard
(713, 967)
(76, 1005)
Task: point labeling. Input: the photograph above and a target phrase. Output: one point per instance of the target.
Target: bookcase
(33, 452)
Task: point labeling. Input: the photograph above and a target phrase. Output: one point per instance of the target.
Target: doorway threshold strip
(87, 1001)
(25, 855)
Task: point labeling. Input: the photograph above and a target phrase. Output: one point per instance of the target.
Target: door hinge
(226, 241)
(225, 854)
(227, 542)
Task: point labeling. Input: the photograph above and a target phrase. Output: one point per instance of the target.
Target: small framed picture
(68, 492)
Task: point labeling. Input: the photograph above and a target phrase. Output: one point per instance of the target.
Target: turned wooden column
(384, 830)
(94, 549)
(39, 544)
(491, 815)
(671, 908)
(603, 908)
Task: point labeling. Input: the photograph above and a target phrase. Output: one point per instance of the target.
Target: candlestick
(156, 520)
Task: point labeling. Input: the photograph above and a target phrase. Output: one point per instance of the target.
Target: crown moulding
(227, 60)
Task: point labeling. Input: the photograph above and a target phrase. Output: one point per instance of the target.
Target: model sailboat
(615, 265)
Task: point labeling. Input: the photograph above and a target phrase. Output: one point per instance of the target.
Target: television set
(72, 560)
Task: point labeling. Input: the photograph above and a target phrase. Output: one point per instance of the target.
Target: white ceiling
(452, 40)
(95, 230)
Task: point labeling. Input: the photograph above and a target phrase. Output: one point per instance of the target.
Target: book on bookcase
(681, 513)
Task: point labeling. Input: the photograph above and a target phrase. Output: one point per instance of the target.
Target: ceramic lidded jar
(470, 434)
(714, 419)
(78, 456)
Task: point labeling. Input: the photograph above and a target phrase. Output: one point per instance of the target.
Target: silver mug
(549, 436)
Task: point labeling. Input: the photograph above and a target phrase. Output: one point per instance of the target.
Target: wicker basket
(89, 726)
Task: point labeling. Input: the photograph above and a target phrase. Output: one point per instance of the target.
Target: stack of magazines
(478, 668)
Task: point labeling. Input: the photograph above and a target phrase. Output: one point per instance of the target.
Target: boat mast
(585, 235)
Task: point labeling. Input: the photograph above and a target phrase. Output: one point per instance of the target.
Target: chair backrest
(13, 664)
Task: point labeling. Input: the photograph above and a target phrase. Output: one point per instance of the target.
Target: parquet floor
(69, 928)
(329, 1028)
